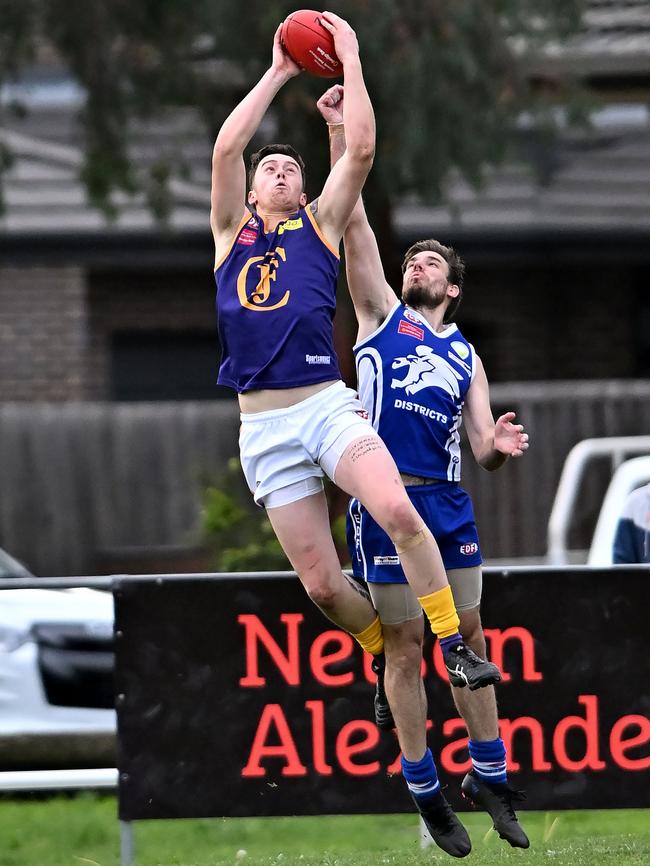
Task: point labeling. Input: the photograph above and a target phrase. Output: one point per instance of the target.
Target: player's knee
(403, 655)
(405, 663)
(320, 576)
(324, 592)
(402, 522)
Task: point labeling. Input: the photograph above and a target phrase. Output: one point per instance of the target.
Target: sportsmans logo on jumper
(426, 370)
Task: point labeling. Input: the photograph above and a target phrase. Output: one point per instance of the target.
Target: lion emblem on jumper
(426, 370)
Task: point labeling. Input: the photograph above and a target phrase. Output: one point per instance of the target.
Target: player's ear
(252, 197)
(452, 290)
(303, 199)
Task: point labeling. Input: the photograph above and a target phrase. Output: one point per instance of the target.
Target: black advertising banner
(237, 697)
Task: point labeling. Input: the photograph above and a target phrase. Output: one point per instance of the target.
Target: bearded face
(425, 280)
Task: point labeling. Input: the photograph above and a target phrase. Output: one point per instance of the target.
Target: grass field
(83, 831)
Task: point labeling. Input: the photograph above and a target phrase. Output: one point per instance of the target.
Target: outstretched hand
(330, 104)
(345, 39)
(510, 438)
(281, 61)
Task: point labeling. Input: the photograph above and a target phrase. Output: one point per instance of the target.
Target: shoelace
(442, 815)
(470, 658)
(510, 796)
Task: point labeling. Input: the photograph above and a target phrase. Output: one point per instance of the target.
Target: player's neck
(272, 219)
(434, 317)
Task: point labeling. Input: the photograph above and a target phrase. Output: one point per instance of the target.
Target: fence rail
(82, 481)
(58, 780)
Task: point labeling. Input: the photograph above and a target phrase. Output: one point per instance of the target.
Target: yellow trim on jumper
(265, 223)
(320, 234)
(242, 222)
(290, 225)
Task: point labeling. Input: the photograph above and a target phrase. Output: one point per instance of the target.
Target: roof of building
(587, 181)
(614, 38)
(597, 179)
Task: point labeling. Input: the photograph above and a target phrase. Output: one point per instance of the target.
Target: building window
(165, 365)
(642, 320)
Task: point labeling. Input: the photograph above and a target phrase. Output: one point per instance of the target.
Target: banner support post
(127, 843)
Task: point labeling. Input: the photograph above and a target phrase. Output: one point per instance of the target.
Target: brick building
(557, 248)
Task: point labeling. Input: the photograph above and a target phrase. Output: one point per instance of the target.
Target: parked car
(56, 665)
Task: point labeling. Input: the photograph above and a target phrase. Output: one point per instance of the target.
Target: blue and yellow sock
(452, 641)
(421, 778)
(489, 760)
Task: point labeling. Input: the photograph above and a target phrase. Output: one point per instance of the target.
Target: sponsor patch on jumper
(469, 548)
(411, 316)
(362, 414)
(318, 359)
(460, 349)
(386, 560)
(247, 237)
(252, 222)
(410, 329)
(290, 226)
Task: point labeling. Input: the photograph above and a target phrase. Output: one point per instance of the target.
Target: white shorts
(294, 447)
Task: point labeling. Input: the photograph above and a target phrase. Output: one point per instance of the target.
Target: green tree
(238, 534)
(447, 79)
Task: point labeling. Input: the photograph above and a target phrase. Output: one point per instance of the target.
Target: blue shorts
(445, 508)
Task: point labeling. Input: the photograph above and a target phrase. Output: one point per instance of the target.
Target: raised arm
(491, 442)
(345, 182)
(228, 169)
(371, 295)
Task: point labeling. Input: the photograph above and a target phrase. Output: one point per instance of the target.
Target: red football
(309, 44)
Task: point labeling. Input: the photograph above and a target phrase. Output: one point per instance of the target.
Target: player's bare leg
(405, 691)
(486, 784)
(404, 686)
(478, 708)
(367, 471)
(303, 530)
